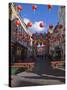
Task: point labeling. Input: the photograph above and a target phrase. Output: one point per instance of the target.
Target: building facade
(21, 41)
(57, 38)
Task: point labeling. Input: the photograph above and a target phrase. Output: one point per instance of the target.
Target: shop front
(18, 53)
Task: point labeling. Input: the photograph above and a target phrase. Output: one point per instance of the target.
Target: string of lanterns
(34, 8)
(41, 25)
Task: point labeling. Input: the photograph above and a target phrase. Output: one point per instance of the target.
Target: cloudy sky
(41, 14)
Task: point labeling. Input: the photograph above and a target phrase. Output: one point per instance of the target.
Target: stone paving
(32, 79)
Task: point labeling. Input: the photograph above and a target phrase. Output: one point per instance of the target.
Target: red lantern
(41, 36)
(19, 7)
(34, 37)
(56, 30)
(49, 6)
(44, 42)
(17, 23)
(60, 26)
(35, 46)
(29, 24)
(42, 24)
(62, 6)
(46, 37)
(34, 7)
(50, 26)
(36, 43)
(48, 33)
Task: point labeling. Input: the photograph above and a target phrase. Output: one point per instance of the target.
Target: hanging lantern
(49, 6)
(60, 26)
(35, 38)
(50, 26)
(17, 22)
(44, 42)
(19, 7)
(35, 46)
(56, 30)
(34, 7)
(51, 29)
(29, 24)
(42, 24)
(62, 6)
(41, 36)
(42, 45)
(46, 37)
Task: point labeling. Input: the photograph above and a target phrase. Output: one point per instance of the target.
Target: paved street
(32, 79)
(42, 74)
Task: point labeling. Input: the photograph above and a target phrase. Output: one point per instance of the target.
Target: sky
(49, 17)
